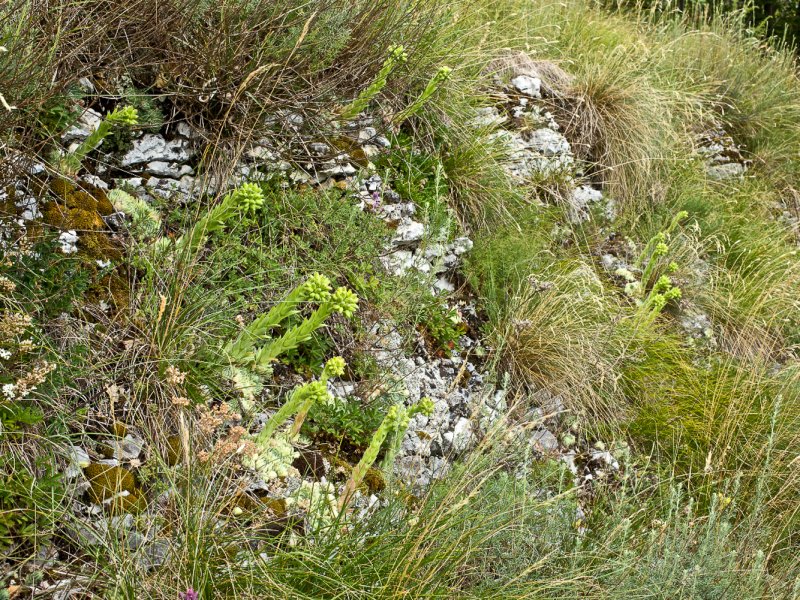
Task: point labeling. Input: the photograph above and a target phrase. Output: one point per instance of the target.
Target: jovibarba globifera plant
(247, 199)
(652, 299)
(71, 163)
(657, 247)
(442, 75)
(394, 424)
(252, 353)
(397, 55)
(272, 451)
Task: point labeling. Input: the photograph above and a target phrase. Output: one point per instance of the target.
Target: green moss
(174, 451)
(99, 246)
(106, 481)
(374, 480)
(72, 218)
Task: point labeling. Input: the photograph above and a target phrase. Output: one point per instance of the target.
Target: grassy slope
(721, 424)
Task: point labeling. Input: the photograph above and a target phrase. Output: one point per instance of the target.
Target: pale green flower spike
(396, 56)
(344, 301)
(662, 285)
(397, 53)
(676, 220)
(317, 288)
(673, 267)
(424, 407)
(249, 196)
(334, 367)
(442, 75)
(673, 294)
(301, 399)
(661, 249)
(127, 115)
(316, 392)
(658, 302)
(396, 420)
(70, 164)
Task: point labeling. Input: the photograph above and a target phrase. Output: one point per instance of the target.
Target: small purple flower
(189, 594)
(375, 200)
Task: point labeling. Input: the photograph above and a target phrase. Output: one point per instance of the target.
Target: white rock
(461, 245)
(184, 130)
(488, 116)
(150, 148)
(345, 169)
(127, 448)
(442, 285)
(95, 181)
(398, 262)
(367, 134)
(544, 441)
(548, 142)
(461, 437)
(530, 86)
(30, 208)
(260, 153)
(370, 151)
(721, 172)
(78, 458)
(408, 233)
(86, 85)
(68, 240)
(165, 169)
(434, 251)
(319, 148)
(580, 199)
(87, 123)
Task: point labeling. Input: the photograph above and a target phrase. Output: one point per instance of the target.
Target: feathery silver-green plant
(146, 219)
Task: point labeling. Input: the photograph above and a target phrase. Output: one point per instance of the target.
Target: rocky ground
(468, 400)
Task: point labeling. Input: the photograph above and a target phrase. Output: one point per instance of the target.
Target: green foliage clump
(443, 326)
(420, 177)
(29, 505)
(61, 111)
(294, 235)
(346, 422)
